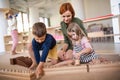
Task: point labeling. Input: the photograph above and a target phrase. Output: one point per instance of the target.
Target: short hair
(74, 27)
(39, 29)
(65, 7)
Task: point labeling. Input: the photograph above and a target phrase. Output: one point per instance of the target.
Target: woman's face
(67, 17)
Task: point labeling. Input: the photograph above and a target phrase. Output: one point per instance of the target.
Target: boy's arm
(48, 43)
(39, 70)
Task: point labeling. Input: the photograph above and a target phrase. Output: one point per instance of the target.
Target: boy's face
(40, 39)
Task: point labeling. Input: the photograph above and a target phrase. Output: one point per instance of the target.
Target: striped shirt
(84, 58)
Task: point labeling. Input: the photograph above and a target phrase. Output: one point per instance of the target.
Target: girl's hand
(77, 55)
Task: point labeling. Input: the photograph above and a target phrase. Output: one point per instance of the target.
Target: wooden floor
(97, 72)
(107, 71)
(100, 47)
(106, 47)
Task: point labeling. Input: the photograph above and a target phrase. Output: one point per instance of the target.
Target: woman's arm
(64, 47)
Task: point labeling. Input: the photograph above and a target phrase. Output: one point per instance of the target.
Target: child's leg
(14, 35)
(64, 63)
(77, 62)
(65, 55)
(76, 59)
(53, 55)
(68, 55)
(60, 54)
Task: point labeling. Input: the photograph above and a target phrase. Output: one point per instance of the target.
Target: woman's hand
(61, 54)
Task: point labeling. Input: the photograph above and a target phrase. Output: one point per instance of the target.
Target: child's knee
(54, 61)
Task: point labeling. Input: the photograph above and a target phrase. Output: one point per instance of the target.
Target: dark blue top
(45, 46)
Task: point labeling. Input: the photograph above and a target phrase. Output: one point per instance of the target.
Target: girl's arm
(14, 21)
(85, 51)
(87, 48)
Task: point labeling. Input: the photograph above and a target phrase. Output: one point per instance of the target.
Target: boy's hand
(39, 71)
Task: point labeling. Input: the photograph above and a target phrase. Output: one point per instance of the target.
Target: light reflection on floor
(106, 47)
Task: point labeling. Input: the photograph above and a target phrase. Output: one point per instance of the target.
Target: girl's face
(9, 16)
(40, 39)
(67, 17)
(73, 36)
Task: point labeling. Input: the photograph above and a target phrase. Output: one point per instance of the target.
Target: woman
(68, 15)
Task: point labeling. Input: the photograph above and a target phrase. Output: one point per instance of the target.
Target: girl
(12, 23)
(82, 49)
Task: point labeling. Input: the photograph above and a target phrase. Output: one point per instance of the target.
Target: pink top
(85, 43)
(82, 45)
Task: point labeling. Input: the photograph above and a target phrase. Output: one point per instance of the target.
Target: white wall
(55, 20)
(33, 15)
(78, 6)
(115, 8)
(4, 4)
(92, 8)
(96, 8)
(3, 31)
(55, 17)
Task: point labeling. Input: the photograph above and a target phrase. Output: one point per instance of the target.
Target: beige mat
(109, 71)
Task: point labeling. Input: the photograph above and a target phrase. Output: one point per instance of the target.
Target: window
(45, 21)
(22, 22)
(19, 22)
(25, 23)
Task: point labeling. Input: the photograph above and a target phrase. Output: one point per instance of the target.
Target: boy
(45, 42)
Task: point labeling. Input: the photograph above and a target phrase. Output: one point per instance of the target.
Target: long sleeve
(12, 23)
(66, 39)
(45, 46)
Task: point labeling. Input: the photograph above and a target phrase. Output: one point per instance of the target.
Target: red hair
(67, 7)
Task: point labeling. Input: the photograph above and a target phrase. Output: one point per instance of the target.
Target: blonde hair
(74, 27)
(10, 11)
